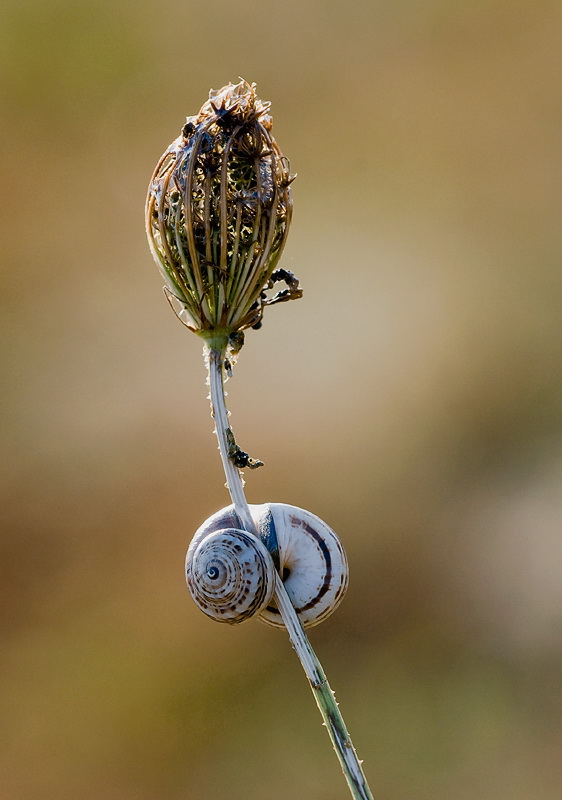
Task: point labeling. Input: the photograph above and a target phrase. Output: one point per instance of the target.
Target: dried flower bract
(218, 213)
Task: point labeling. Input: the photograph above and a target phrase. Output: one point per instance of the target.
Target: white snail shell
(230, 574)
(307, 554)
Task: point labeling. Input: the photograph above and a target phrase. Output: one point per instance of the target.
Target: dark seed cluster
(218, 213)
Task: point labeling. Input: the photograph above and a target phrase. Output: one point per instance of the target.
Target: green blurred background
(413, 399)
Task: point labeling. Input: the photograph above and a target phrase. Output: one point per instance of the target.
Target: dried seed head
(218, 213)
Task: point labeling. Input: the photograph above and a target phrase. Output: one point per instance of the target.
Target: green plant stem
(323, 694)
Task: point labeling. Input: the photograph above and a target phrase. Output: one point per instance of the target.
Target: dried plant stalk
(217, 216)
(323, 694)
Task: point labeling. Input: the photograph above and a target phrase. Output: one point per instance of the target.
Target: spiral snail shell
(231, 574)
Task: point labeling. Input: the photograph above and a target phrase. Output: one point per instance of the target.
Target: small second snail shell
(230, 573)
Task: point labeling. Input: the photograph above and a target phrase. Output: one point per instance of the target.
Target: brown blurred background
(413, 399)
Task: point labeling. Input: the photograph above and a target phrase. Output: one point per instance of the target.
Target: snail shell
(229, 574)
(306, 553)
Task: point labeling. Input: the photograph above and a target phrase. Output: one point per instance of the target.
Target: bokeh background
(412, 398)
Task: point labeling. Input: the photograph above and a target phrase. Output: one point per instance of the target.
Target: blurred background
(412, 399)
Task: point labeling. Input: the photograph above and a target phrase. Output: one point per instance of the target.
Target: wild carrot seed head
(218, 212)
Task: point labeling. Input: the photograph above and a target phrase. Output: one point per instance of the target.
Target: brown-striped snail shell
(230, 573)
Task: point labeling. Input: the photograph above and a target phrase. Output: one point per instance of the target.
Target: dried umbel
(217, 216)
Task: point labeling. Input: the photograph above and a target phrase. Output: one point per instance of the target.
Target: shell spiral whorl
(230, 575)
